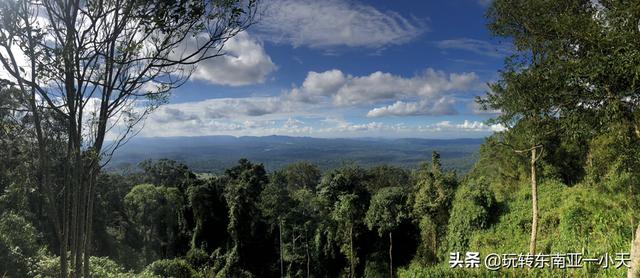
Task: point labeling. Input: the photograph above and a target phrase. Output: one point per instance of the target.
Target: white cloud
(336, 125)
(467, 126)
(194, 119)
(477, 109)
(321, 24)
(293, 123)
(348, 90)
(226, 108)
(380, 86)
(442, 106)
(324, 82)
(21, 61)
(476, 46)
(245, 62)
(169, 114)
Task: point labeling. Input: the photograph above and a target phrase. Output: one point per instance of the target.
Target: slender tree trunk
(351, 265)
(64, 246)
(534, 203)
(634, 269)
(93, 175)
(390, 255)
(306, 239)
(43, 184)
(281, 256)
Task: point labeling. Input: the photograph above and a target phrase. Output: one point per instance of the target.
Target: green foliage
(431, 203)
(275, 202)
(348, 212)
(473, 207)
(570, 88)
(501, 167)
(100, 267)
(388, 176)
(242, 194)
(177, 268)
(301, 175)
(511, 233)
(376, 269)
(434, 188)
(198, 258)
(427, 252)
(387, 210)
(18, 245)
(165, 172)
(613, 153)
(416, 270)
(156, 213)
(210, 211)
(572, 219)
(45, 266)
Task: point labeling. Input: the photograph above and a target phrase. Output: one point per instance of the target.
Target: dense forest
(214, 154)
(563, 177)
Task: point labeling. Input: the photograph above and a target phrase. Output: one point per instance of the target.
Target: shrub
(18, 245)
(472, 209)
(198, 258)
(101, 267)
(177, 268)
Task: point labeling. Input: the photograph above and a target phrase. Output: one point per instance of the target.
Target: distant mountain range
(215, 153)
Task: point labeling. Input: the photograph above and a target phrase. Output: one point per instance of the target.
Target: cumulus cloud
(474, 126)
(193, 119)
(476, 46)
(336, 125)
(441, 106)
(321, 24)
(168, 114)
(222, 108)
(245, 62)
(380, 86)
(297, 111)
(323, 83)
(348, 90)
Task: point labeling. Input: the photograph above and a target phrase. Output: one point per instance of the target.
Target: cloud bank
(331, 23)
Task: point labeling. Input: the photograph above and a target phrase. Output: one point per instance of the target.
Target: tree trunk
(351, 265)
(390, 255)
(281, 256)
(634, 269)
(308, 257)
(534, 203)
(93, 176)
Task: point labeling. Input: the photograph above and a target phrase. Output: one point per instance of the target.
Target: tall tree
(102, 66)
(210, 212)
(387, 210)
(156, 214)
(344, 199)
(433, 191)
(348, 213)
(275, 205)
(583, 52)
(301, 175)
(242, 194)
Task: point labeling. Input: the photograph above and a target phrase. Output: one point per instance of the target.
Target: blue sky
(343, 68)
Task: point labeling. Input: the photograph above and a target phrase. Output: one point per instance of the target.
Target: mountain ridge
(217, 152)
